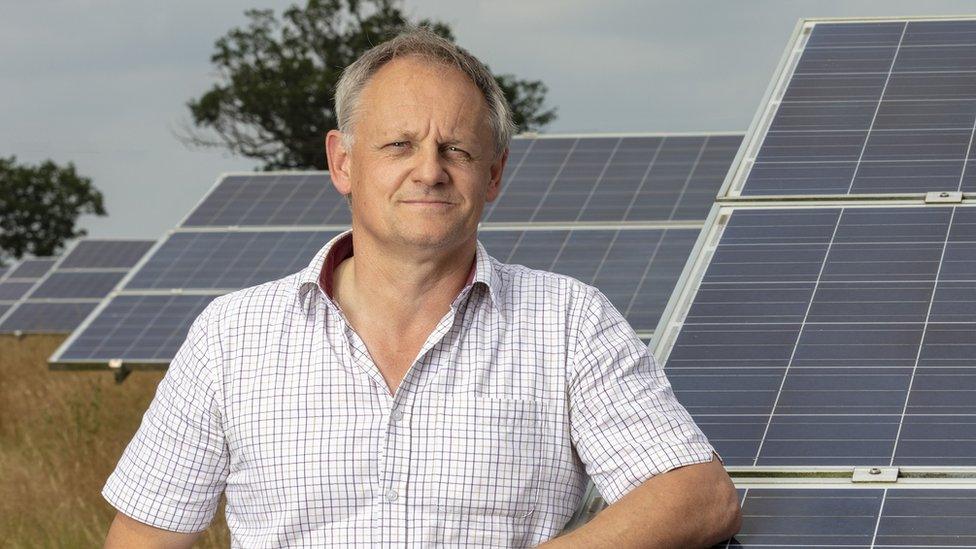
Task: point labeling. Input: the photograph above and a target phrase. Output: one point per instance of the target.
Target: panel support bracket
(120, 369)
(943, 197)
(875, 474)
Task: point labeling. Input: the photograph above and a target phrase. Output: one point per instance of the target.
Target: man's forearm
(692, 506)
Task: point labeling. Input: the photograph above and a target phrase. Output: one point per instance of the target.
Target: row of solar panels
(251, 228)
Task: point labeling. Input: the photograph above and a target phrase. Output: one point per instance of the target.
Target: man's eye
(398, 144)
(456, 151)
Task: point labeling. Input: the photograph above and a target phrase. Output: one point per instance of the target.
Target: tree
(39, 206)
(276, 80)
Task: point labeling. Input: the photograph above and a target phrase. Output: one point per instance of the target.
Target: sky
(104, 83)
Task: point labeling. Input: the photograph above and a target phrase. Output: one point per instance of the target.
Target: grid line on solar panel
(884, 117)
(845, 338)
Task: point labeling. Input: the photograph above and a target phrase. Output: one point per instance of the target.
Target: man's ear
(495, 172)
(339, 162)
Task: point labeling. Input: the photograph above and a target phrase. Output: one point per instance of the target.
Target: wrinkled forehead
(421, 81)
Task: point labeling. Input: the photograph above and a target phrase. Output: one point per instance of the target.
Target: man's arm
(126, 532)
(691, 506)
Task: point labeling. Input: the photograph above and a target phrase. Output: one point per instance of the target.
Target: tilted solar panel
(31, 268)
(46, 317)
(833, 335)
(857, 517)
(72, 286)
(635, 268)
(227, 260)
(105, 254)
(640, 178)
(77, 285)
(865, 108)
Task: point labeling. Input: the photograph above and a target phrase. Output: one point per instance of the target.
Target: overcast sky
(104, 83)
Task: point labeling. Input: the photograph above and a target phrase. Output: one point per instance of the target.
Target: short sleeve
(626, 423)
(173, 471)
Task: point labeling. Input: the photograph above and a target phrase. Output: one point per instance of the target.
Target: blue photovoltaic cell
(835, 336)
(149, 328)
(76, 285)
(12, 291)
(31, 268)
(4, 307)
(849, 518)
(231, 260)
(48, 318)
(636, 269)
(105, 254)
(272, 200)
(564, 179)
(885, 107)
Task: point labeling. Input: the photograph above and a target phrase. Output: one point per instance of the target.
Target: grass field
(61, 434)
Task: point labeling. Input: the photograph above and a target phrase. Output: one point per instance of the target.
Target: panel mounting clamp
(943, 197)
(875, 474)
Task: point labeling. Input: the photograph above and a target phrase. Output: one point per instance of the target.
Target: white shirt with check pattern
(530, 381)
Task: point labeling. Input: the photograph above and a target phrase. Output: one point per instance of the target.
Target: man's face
(423, 162)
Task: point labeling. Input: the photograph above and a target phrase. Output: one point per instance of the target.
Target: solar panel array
(619, 212)
(827, 318)
(61, 299)
(19, 279)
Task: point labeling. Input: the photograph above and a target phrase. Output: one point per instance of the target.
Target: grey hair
(421, 41)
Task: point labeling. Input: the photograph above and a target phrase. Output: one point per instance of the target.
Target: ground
(61, 434)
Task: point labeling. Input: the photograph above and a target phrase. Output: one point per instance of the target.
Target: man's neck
(400, 289)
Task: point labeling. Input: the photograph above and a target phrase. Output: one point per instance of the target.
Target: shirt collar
(311, 277)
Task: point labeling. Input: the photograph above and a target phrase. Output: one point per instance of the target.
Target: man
(406, 388)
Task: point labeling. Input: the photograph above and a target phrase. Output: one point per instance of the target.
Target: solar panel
(641, 178)
(12, 291)
(77, 285)
(866, 108)
(227, 260)
(138, 328)
(72, 286)
(833, 335)
(105, 254)
(31, 268)
(300, 199)
(51, 317)
(3, 272)
(635, 268)
(850, 517)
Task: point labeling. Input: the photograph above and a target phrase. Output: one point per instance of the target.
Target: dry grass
(61, 434)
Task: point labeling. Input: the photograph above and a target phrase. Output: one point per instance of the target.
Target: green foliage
(277, 78)
(39, 206)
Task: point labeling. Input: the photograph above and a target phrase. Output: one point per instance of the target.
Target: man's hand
(126, 532)
(692, 506)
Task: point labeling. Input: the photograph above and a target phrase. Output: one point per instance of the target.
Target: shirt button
(391, 495)
(397, 415)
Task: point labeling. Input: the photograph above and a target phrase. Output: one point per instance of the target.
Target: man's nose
(429, 166)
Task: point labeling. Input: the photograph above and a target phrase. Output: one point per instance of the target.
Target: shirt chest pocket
(486, 457)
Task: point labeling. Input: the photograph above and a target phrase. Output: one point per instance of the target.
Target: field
(61, 434)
